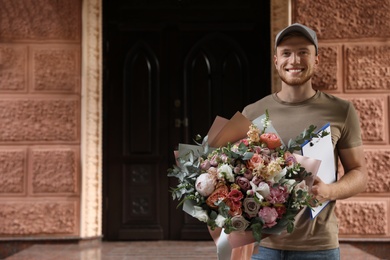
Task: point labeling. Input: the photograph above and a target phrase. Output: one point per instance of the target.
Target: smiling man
(295, 107)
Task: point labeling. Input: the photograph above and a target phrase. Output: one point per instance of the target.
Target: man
(296, 106)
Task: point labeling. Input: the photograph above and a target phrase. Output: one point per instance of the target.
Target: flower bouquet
(254, 184)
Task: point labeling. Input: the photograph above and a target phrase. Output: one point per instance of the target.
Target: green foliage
(305, 136)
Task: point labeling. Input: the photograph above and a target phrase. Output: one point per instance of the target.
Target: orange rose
(220, 193)
(255, 162)
(271, 140)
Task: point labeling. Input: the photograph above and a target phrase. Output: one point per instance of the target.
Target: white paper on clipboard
(322, 149)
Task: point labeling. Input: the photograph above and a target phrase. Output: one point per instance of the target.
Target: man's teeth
(295, 70)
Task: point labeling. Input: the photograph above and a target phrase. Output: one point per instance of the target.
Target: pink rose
(256, 161)
(224, 158)
(205, 165)
(248, 174)
(269, 216)
(205, 184)
(257, 149)
(257, 179)
(214, 160)
(243, 183)
(278, 194)
(244, 141)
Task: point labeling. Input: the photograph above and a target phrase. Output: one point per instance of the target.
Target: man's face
(295, 60)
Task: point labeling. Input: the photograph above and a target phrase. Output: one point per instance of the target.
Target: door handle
(179, 123)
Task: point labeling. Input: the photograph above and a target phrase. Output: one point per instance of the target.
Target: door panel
(167, 75)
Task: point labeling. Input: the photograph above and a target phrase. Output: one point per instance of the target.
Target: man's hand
(320, 190)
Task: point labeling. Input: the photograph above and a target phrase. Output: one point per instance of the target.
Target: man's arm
(353, 181)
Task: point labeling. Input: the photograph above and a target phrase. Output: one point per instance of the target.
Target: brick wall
(40, 49)
(354, 39)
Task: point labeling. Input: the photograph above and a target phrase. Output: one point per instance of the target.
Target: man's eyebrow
(289, 48)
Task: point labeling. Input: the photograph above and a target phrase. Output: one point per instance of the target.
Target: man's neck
(295, 94)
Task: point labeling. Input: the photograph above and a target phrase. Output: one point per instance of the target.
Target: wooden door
(168, 72)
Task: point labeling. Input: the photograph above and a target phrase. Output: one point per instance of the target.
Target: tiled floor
(145, 250)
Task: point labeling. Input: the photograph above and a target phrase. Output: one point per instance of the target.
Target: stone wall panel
(54, 170)
(361, 30)
(373, 114)
(38, 218)
(347, 19)
(12, 171)
(367, 67)
(40, 20)
(56, 69)
(39, 120)
(378, 165)
(13, 68)
(363, 217)
(328, 72)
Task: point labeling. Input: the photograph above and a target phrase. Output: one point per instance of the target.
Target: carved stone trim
(91, 120)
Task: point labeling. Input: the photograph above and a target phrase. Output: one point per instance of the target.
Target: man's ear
(317, 60)
(275, 60)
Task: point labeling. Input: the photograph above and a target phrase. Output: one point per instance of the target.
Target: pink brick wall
(40, 109)
(354, 38)
(40, 49)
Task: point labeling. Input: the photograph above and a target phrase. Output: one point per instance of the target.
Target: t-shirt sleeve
(351, 133)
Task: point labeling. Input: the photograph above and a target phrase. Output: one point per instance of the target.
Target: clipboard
(322, 149)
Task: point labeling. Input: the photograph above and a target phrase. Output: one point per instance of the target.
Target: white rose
(225, 171)
(200, 214)
(220, 221)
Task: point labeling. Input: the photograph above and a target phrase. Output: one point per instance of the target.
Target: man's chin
(295, 82)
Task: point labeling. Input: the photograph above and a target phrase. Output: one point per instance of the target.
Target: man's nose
(295, 58)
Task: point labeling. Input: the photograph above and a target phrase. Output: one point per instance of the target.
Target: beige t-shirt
(289, 120)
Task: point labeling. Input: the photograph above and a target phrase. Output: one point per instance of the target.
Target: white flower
(225, 171)
(265, 122)
(262, 191)
(205, 184)
(280, 175)
(220, 221)
(200, 214)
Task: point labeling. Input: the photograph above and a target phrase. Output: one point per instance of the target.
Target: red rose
(235, 207)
